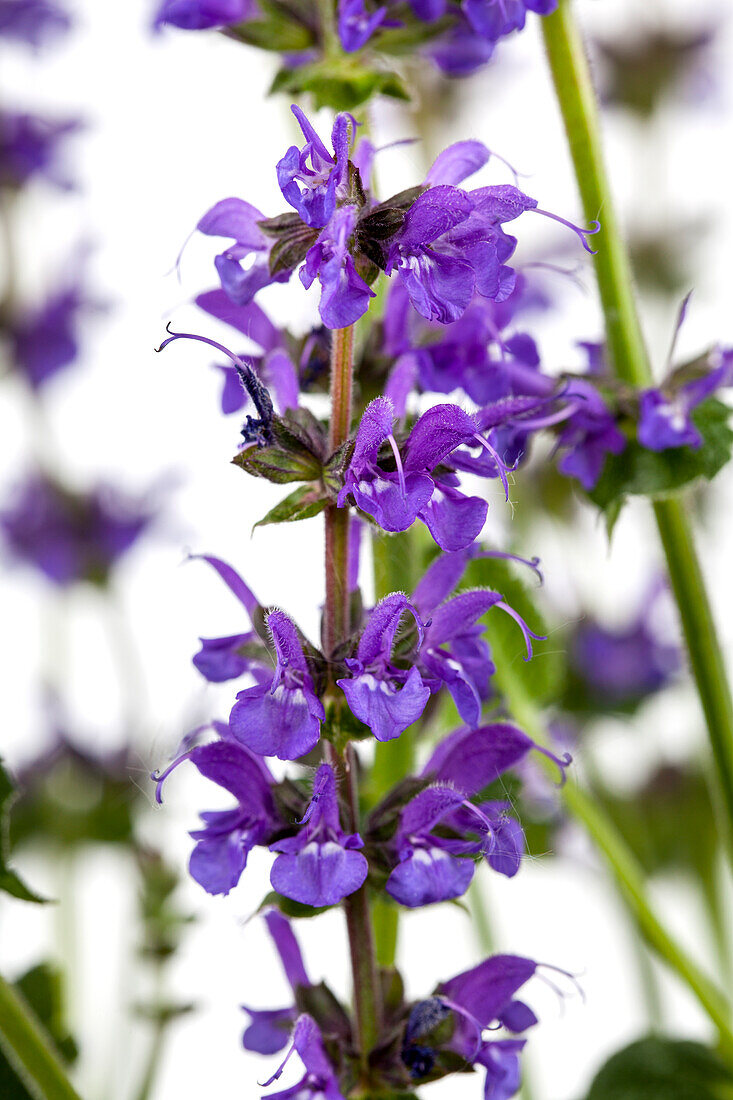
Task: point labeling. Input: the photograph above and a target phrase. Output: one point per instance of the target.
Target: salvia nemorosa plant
(377, 761)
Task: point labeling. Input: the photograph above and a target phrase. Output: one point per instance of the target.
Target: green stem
(621, 861)
(578, 104)
(29, 1049)
(367, 992)
(396, 569)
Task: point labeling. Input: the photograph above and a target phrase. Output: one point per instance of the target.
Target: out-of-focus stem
(620, 859)
(367, 993)
(29, 1049)
(628, 355)
(395, 570)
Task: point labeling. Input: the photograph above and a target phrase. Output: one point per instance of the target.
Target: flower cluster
(458, 36)
(443, 243)
(380, 672)
(71, 536)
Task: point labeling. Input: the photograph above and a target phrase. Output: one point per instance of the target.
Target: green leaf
(662, 1069)
(543, 675)
(341, 83)
(404, 40)
(278, 30)
(9, 880)
(41, 989)
(303, 503)
(639, 472)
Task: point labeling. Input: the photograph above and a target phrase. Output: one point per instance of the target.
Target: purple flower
(453, 652)
(395, 498)
(30, 146)
(282, 716)
(344, 294)
(273, 365)
(431, 867)
(425, 870)
(495, 18)
(72, 536)
(480, 999)
(384, 697)
(239, 220)
(460, 51)
(33, 22)
(472, 354)
(320, 1081)
(311, 179)
(270, 1029)
(622, 665)
(44, 340)
(588, 436)
(319, 866)
(227, 658)
(228, 836)
(356, 24)
(197, 15)
(664, 417)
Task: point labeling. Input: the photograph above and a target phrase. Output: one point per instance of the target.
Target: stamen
(523, 627)
(531, 563)
(580, 233)
(255, 431)
(160, 778)
(398, 462)
(562, 762)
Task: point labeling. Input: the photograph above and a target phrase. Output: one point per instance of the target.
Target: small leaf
(639, 472)
(341, 83)
(279, 30)
(303, 503)
(661, 1069)
(9, 880)
(41, 989)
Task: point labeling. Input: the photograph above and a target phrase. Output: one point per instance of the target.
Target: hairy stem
(29, 1050)
(620, 859)
(367, 994)
(628, 355)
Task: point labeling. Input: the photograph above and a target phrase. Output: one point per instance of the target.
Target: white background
(175, 123)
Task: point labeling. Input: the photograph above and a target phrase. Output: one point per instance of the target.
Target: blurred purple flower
(665, 417)
(30, 146)
(72, 536)
(197, 15)
(35, 23)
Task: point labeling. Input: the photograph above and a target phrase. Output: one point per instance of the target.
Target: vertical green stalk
(29, 1049)
(620, 859)
(627, 352)
(367, 993)
(396, 562)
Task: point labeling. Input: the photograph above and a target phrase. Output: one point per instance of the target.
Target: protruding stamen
(254, 430)
(579, 232)
(160, 778)
(523, 627)
(562, 762)
(531, 563)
